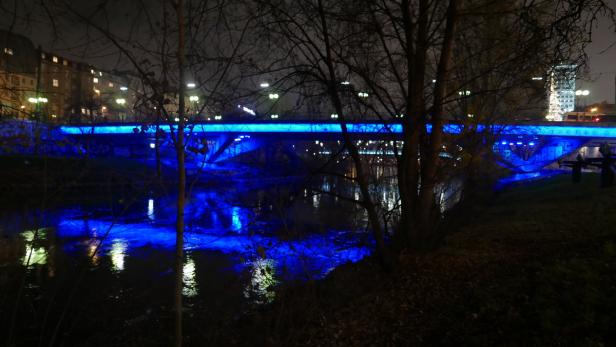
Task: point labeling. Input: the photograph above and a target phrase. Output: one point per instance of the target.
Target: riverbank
(535, 266)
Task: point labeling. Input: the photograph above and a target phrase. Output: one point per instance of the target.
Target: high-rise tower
(562, 92)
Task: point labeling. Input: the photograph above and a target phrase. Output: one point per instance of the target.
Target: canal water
(88, 273)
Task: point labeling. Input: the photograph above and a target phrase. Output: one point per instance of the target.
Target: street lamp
(193, 98)
(264, 85)
(121, 102)
(191, 85)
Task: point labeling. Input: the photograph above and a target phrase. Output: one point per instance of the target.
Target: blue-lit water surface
(244, 241)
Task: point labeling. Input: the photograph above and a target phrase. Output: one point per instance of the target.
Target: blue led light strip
(359, 128)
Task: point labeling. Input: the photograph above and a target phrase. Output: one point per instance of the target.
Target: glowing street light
(363, 94)
(594, 109)
(274, 96)
(191, 85)
(584, 92)
(193, 98)
(120, 101)
(123, 88)
(264, 85)
(37, 100)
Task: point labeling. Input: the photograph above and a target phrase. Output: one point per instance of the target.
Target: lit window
(55, 83)
(65, 62)
(110, 85)
(8, 51)
(95, 80)
(55, 59)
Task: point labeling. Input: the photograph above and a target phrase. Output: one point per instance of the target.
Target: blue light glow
(539, 130)
(319, 252)
(240, 128)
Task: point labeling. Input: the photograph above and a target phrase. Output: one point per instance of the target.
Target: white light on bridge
(274, 96)
(152, 145)
(274, 116)
(190, 85)
(193, 98)
(218, 117)
(120, 101)
(123, 88)
(249, 111)
(537, 78)
(464, 92)
(584, 92)
(363, 94)
(345, 83)
(32, 100)
(334, 116)
(264, 85)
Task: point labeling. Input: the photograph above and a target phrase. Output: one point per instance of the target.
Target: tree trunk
(181, 201)
(427, 209)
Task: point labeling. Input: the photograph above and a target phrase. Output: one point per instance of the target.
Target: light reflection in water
(262, 281)
(117, 254)
(321, 251)
(93, 251)
(236, 221)
(35, 254)
(190, 282)
(151, 215)
(315, 200)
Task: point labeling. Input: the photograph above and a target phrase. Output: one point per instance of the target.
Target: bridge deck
(565, 130)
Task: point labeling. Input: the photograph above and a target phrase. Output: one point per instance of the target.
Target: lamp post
(194, 100)
(121, 102)
(37, 103)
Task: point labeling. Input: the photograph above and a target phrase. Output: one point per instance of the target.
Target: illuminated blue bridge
(522, 147)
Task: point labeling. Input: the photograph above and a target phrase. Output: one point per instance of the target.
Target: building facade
(48, 87)
(561, 98)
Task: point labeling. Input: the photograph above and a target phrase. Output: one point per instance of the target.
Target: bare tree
(424, 63)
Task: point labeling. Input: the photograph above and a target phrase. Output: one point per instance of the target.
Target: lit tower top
(562, 92)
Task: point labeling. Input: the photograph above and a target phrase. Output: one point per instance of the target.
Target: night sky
(602, 63)
(598, 78)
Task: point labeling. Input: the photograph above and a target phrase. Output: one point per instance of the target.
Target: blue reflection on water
(236, 222)
(314, 255)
